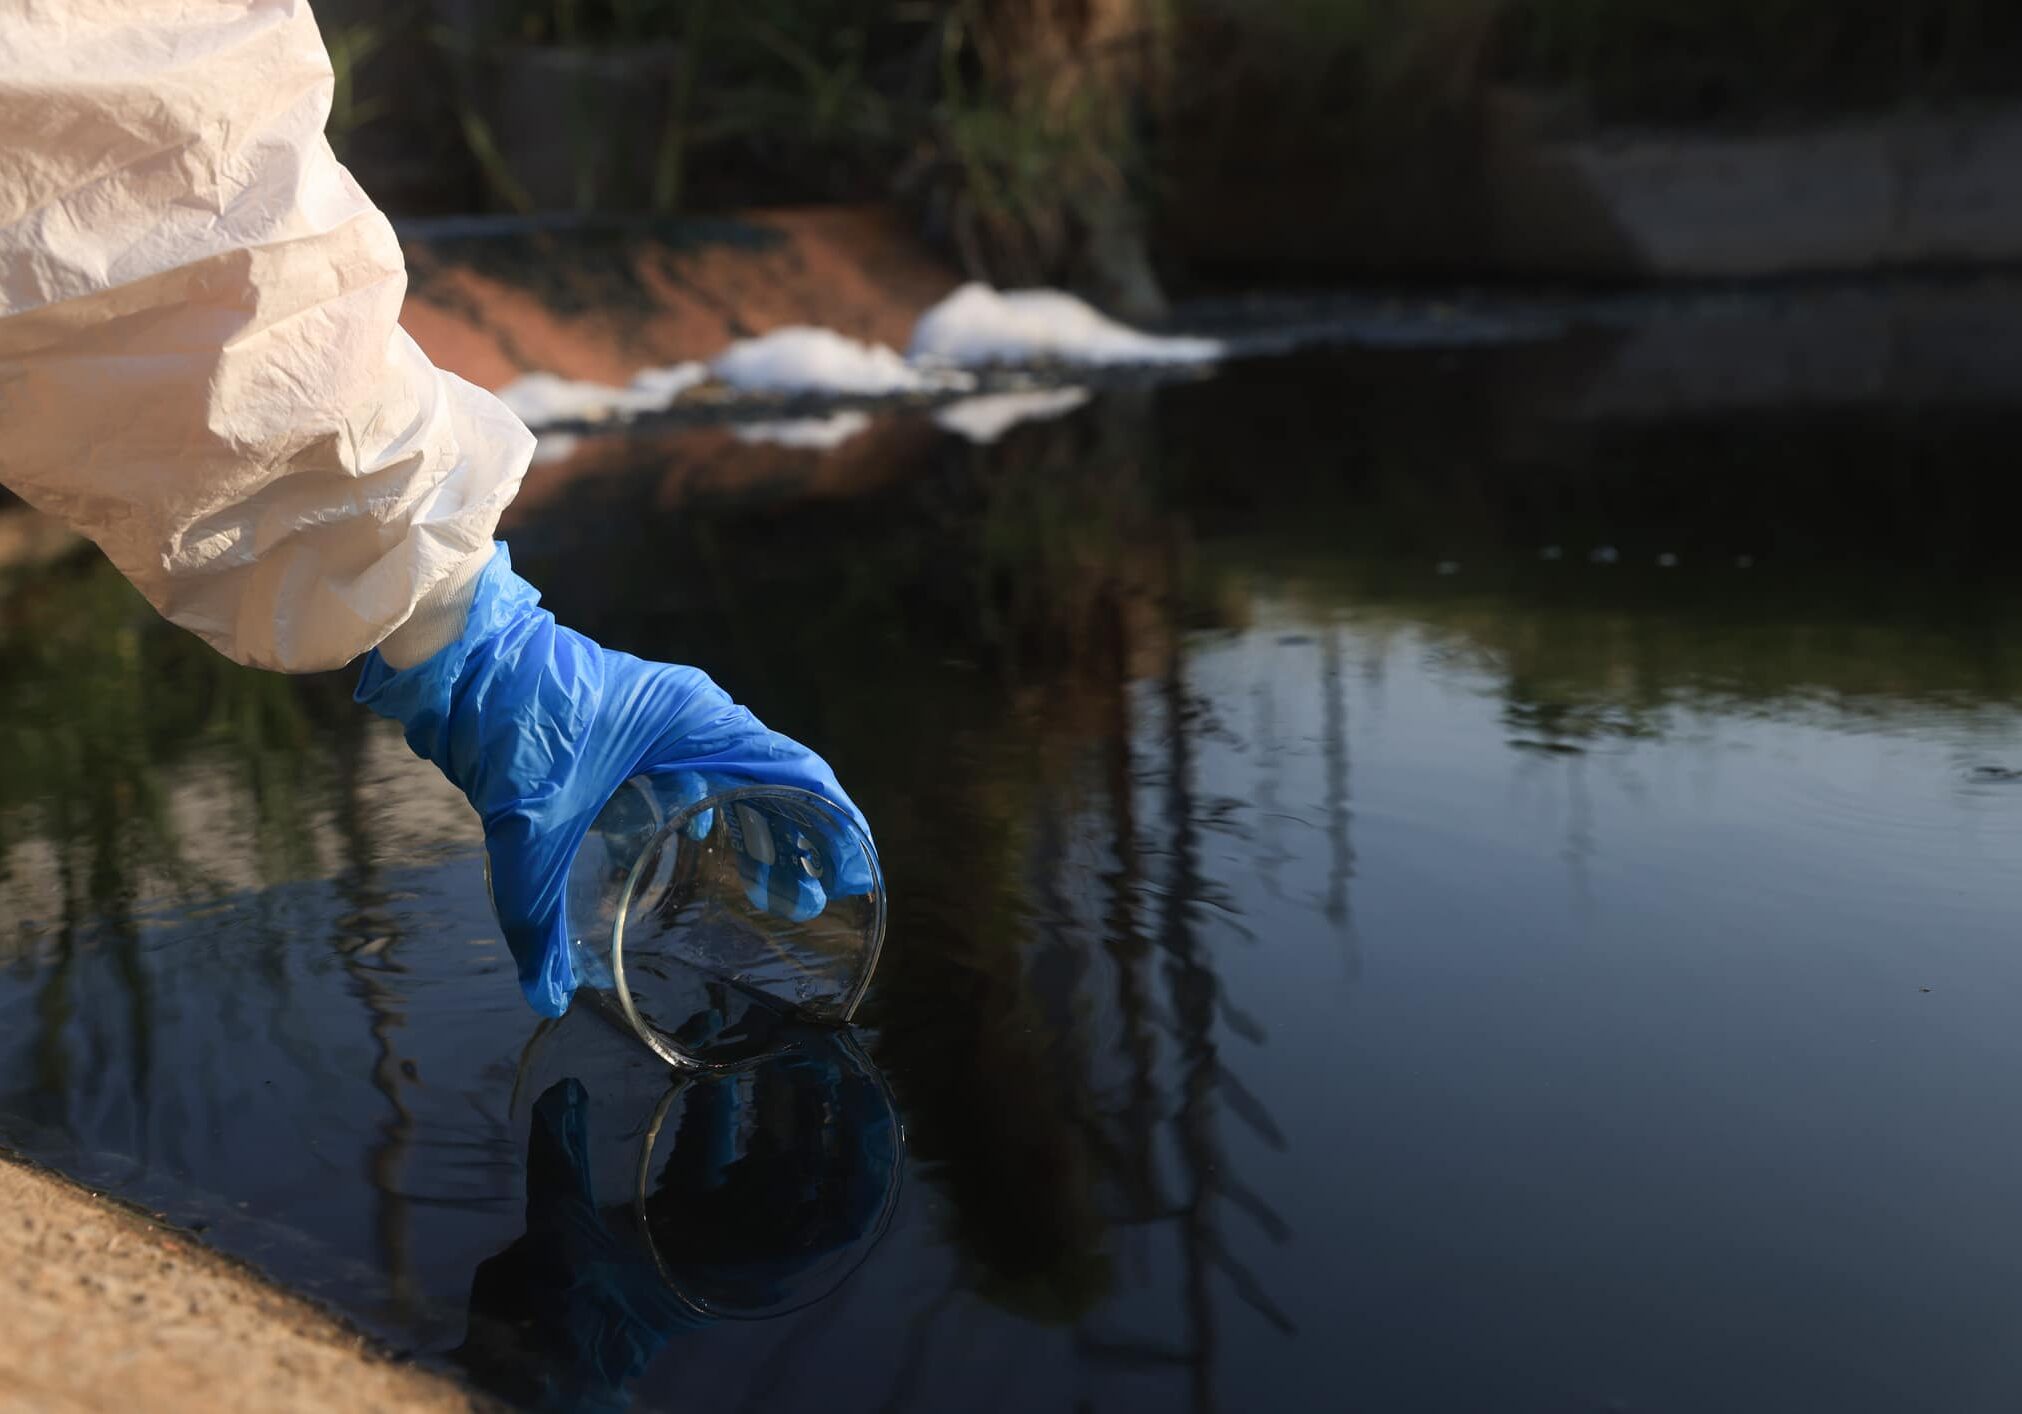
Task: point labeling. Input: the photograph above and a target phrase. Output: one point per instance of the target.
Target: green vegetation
(351, 48)
(1028, 134)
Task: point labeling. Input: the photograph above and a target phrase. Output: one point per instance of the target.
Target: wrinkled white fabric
(201, 365)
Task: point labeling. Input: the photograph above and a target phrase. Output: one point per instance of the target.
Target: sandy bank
(107, 1310)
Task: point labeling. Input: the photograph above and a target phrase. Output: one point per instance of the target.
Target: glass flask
(769, 889)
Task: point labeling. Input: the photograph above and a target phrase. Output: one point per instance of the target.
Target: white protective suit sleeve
(201, 365)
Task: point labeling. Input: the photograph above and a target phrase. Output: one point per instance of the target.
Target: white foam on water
(978, 326)
(803, 359)
(817, 434)
(985, 419)
(974, 327)
(671, 382)
(554, 447)
(542, 399)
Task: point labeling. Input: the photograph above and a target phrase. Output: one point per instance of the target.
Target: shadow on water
(1321, 884)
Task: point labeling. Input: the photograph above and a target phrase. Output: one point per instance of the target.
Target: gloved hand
(790, 857)
(538, 726)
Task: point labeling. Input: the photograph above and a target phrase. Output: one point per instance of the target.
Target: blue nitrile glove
(791, 860)
(538, 726)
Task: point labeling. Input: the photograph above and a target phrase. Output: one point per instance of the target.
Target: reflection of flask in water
(762, 1188)
(771, 889)
(739, 1193)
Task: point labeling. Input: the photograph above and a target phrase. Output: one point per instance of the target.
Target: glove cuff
(421, 698)
(438, 619)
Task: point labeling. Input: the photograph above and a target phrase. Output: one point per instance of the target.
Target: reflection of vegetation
(114, 723)
(81, 743)
(1060, 1036)
(1857, 557)
(1068, 529)
(1712, 639)
(1029, 745)
(1057, 1034)
(102, 711)
(1002, 603)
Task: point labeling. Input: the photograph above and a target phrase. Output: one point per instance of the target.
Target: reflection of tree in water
(366, 938)
(981, 1005)
(1189, 1206)
(106, 711)
(1135, 1158)
(81, 742)
(1340, 846)
(109, 718)
(1554, 719)
(1272, 856)
(1048, 1162)
(1049, 1009)
(1057, 1027)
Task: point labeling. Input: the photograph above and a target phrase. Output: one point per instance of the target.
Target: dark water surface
(1343, 955)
